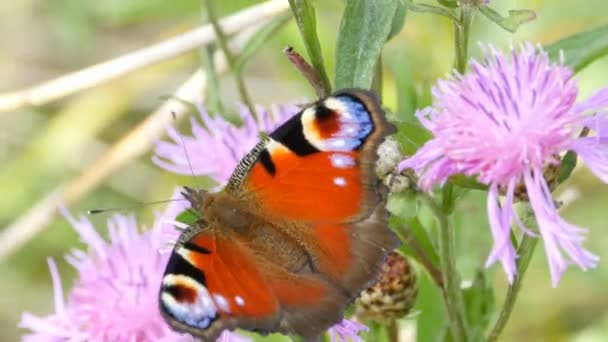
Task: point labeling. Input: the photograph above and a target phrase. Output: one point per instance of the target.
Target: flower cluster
(504, 123)
(116, 295)
(216, 146)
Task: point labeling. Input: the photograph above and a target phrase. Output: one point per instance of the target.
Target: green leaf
(479, 305)
(410, 228)
(188, 217)
(511, 22)
(410, 136)
(364, 28)
(432, 322)
(304, 12)
(566, 166)
(398, 19)
(580, 49)
(467, 182)
(448, 3)
(403, 204)
(425, 8)
(407, 101)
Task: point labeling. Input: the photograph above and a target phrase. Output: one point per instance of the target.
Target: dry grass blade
(103, 72)
(131, 146)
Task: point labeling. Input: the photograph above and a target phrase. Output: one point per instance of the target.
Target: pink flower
(116, 295)
(216, 146)
(347, 331)
(60, 326)
(503, 122)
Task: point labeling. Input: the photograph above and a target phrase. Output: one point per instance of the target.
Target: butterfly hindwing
(211, 284)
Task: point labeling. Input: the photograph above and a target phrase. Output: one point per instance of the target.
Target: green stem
(214, 100)
(377, 80)
(525, 252)
(304, 12)
(230, 59)
(408, 238)
(451, 279)
(424, 8)
(462, 28)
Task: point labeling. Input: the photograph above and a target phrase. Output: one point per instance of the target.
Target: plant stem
(462, 27)
(525, 252)
(451, 279)
(393, 331)
(419, 254)
(223, 43)
(424, 8)
(86, 78)
(377, 80)
(304, 13)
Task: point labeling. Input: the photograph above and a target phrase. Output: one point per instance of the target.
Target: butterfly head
(196, 197)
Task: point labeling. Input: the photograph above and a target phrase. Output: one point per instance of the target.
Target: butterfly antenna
(181, 138)
(139, 205)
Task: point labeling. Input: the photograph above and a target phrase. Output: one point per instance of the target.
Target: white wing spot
(336, 143)
(239, 301)
(340, 181)
(341, 161)
(221, 302)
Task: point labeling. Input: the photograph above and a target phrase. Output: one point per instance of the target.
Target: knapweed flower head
(116, 295)
(504, 122)
(216, 145)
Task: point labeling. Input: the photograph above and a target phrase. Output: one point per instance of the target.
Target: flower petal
(500, 226)
(559, 236)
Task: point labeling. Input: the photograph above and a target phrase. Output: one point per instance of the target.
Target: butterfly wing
(212, 283)
(311, 182)
(317, 171)
(319, 165)
(215, 282)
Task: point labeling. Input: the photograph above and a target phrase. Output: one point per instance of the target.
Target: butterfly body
(297, 233)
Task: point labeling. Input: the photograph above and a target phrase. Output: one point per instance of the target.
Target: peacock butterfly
(299, 231)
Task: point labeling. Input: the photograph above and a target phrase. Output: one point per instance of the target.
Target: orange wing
(317, 171)
(313, 179)
(318, 166)
(211, 283)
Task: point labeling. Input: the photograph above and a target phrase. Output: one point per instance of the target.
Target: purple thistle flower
(116, 295)
(216, 146)
(503, 122)
(346, 331)
(57, 327)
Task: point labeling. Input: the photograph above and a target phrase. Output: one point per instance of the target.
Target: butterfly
(294, 237)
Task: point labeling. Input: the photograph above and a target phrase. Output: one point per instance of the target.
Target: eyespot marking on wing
(187, 301)
(339, 123)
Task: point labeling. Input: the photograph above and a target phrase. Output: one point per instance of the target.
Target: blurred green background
(44, 147)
